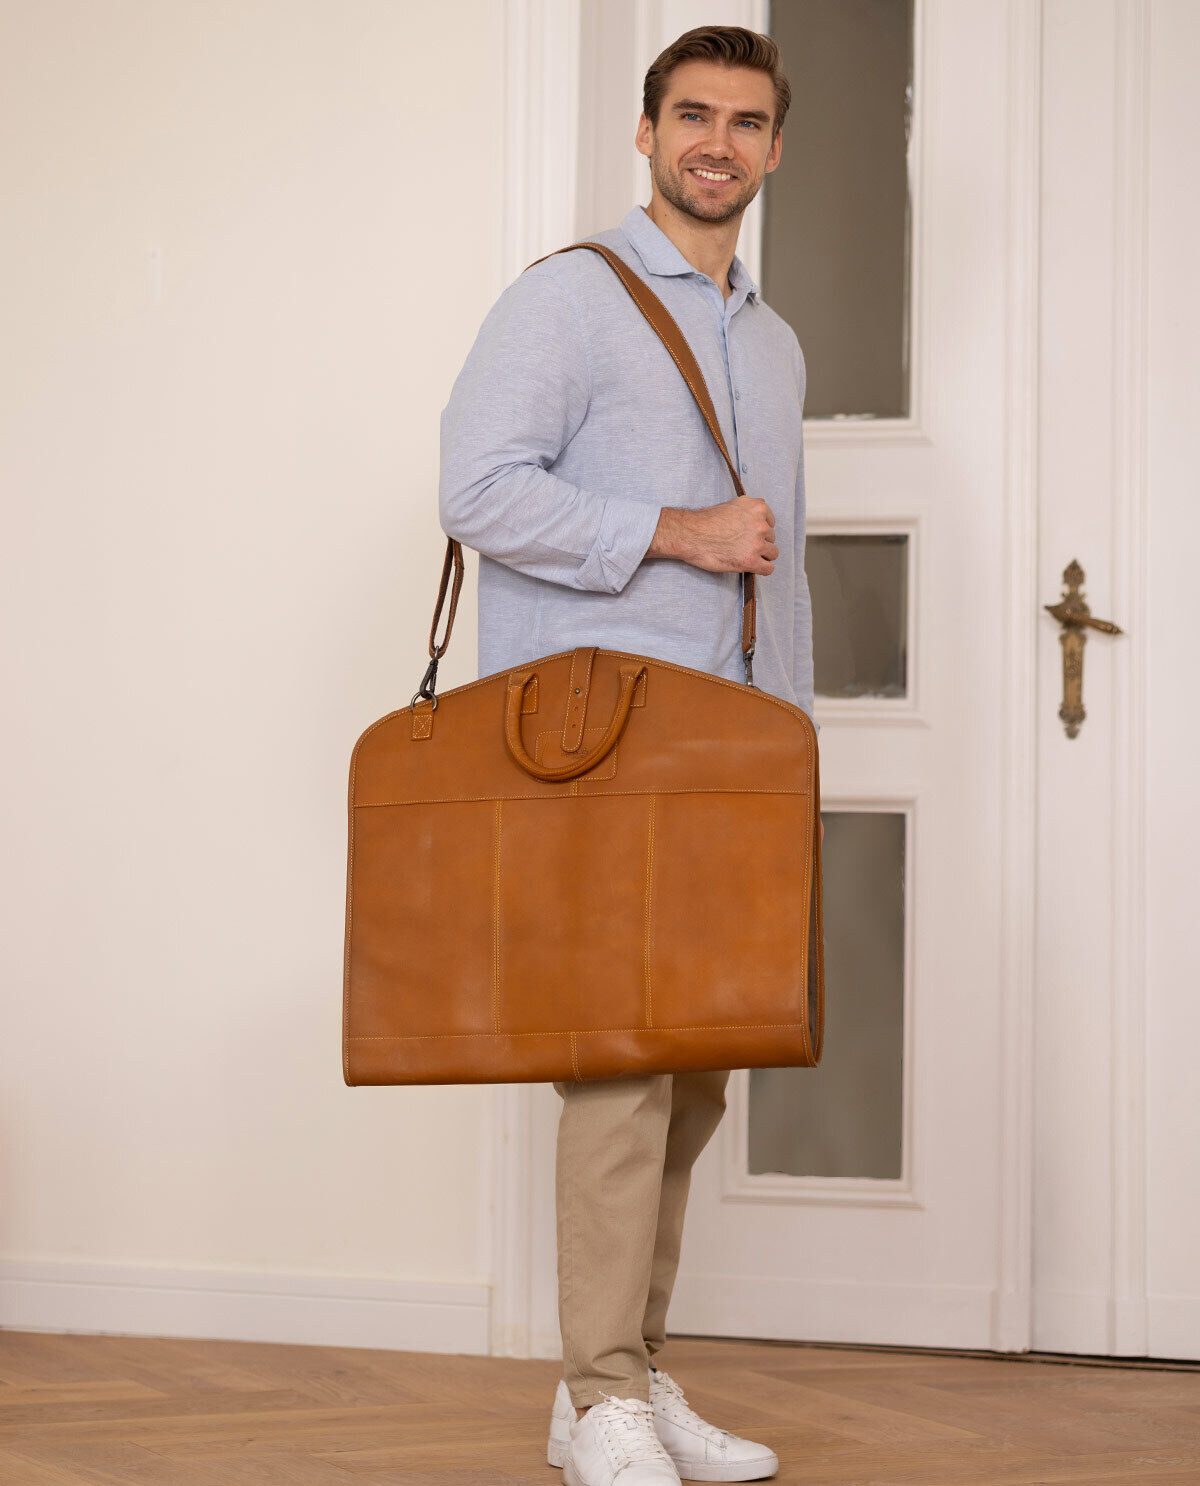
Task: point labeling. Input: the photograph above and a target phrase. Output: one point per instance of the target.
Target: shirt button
(737, 397)
(745, 469)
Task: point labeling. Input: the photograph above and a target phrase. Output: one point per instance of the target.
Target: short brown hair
(731, 46)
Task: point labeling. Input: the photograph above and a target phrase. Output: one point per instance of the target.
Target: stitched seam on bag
(575, 1054)
(646, 931)
(806, 897)
(600, 795)
(592, 775)
(349, 923)
(582, 1032)
(665, 665)
(587, 681)
(566, 720)
(496, 924)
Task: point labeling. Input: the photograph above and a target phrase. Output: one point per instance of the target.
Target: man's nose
(719, 142)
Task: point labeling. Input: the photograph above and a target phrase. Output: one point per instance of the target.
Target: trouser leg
(612, 1145)
(697, 1104)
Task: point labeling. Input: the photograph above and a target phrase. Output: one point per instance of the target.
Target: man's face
(714, 121)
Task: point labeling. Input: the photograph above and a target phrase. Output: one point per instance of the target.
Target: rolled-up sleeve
(520, 398)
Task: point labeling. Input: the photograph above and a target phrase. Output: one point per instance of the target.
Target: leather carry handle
(662, 322)
(515, 696)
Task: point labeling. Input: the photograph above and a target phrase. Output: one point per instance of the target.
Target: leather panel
(749, 949)
(422, 924)
(571, 929)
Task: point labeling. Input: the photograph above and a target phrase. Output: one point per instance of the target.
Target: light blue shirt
(570, 427)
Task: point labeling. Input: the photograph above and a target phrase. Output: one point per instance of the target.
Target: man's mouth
(712, 177)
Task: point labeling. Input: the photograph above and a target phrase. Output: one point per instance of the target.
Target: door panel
(860, 1201)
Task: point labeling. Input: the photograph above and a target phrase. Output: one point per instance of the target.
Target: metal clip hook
(425, 690)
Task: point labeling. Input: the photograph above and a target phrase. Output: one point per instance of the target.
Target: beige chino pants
(626, 1147)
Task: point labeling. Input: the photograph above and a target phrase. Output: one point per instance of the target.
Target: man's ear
(774, 152)
(644, 138)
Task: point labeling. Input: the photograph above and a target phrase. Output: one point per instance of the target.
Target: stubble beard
(675, 188)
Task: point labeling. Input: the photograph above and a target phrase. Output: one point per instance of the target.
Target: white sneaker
(699, 1450)
(614, 1444)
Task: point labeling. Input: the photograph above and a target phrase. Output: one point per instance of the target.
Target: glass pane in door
(836, 210)
(859, 587)
(844, 1118)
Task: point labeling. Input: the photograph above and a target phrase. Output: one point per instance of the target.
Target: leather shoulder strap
(662, 322)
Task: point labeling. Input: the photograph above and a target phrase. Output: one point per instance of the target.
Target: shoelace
(676, 1403)
(628, 1425)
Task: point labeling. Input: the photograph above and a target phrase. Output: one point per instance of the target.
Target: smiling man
(575, 461)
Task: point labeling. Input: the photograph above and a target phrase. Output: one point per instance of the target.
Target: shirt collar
(660, 255)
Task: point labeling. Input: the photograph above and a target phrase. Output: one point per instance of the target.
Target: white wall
(245, 249)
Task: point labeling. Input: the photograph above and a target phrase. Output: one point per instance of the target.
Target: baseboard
(1175, 1326)
(1072, 1321)
(776, 1309)
(234, 1305)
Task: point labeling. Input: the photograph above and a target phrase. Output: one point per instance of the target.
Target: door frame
(542, 74)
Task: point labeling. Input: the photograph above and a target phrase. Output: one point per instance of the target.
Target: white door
(862, 1201)
(998, 1149)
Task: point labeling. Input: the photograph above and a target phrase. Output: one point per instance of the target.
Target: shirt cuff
(626, 530)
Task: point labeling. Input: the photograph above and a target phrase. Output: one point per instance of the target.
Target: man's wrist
(674, 536)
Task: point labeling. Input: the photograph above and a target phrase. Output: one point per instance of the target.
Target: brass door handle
(1076, 618)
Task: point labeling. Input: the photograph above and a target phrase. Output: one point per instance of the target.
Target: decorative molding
(541, 129)
(850, 431)
(542, 88)
(902, 711)
(737, 1184)
(510, 1170)
(870, 712)
(1012, 1316)
(1129, 1330)
(236, 1305)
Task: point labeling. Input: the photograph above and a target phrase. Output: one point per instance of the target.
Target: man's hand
(737, 536)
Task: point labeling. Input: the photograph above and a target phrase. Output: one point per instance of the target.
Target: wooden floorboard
(158, 1411)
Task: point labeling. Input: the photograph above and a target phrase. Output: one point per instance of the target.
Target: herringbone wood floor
(136, 1410)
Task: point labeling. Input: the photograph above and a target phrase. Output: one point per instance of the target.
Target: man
(575, 461)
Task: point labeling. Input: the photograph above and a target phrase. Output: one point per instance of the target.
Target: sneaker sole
(749, 1470)
(758, 1470)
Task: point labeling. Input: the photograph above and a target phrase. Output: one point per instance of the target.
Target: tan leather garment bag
(591, 865)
